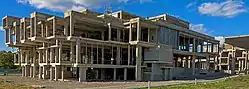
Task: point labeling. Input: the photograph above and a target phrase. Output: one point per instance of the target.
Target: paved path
(91, 85)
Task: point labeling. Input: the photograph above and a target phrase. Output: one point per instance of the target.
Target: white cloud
(191, 4)
(228, 8)
(63, 5)
(221, 39)
(200, 28)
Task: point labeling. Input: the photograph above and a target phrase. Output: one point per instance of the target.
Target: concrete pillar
(31, 72)
(138, 63)
(72, 23)
(109, 31)
(125, 73)
(62, 72)
(44, 72)
(51, 73)
(23, 71)
(60, 52)
(138, 31)
(199, 65)
(239, 66)
(47, 55)
(193, 65)
(118, 58)
(82, 74)
(114, 73)
(242, 65)
(40, 72)
(129, 54)
(56, 74)
(130, 32)
(233, 65)
(34, 71)
(207, 62)
(52, 55)
(72, 52)
(102, 54)
(102, 74)
(78, 52)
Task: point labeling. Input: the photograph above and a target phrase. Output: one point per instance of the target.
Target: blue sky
(213, 17)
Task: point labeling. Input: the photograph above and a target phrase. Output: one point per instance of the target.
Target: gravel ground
(47, 84)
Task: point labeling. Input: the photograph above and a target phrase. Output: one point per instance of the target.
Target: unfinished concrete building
(234, 56)
(89, 45)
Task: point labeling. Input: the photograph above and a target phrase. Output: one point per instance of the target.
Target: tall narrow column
(193, 65)
(40, 72)
(118, 56)
(82, 74)
(129, 54)
(102, 54)
(56, 74)
(62, 72)
(138, 31)
(51, 73)
(78, 52)
(72, 23)
(44, 72)
(125, 73)
(109, 31)
(23, 71)
(114, 73)
(60, 52)
(130, 32)
(31, 72)
(138, 63)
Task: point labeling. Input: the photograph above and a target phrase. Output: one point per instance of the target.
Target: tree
(7, 60)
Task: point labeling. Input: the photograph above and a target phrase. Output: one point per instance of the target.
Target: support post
(125, 73)
(82, 74)
(138, 63)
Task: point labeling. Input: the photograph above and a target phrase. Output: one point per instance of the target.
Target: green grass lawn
(241, 82)
(11, 85)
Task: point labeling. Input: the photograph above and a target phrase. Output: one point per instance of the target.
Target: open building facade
(234, 56)
(89, 45)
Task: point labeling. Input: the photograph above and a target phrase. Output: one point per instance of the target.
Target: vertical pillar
(207, 62)
(72, 21)
(138, 63)
(102, 54)
(78, 56)
(40, 72)
(118, 56)
(102, 74)
(60, 53)
(138, 31)
(109, 31)
(62, 72)
(23, 71)
(125, 73)
(82, 74)
(31, 72)
(193, 65)
(114, 73)
(130, 32)
(56, 74)
(44, 72)
(52, 55)
(66, 26)
(129, 54)
(46, 55)
(72, 52)
(242, 65)
(51, 73)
